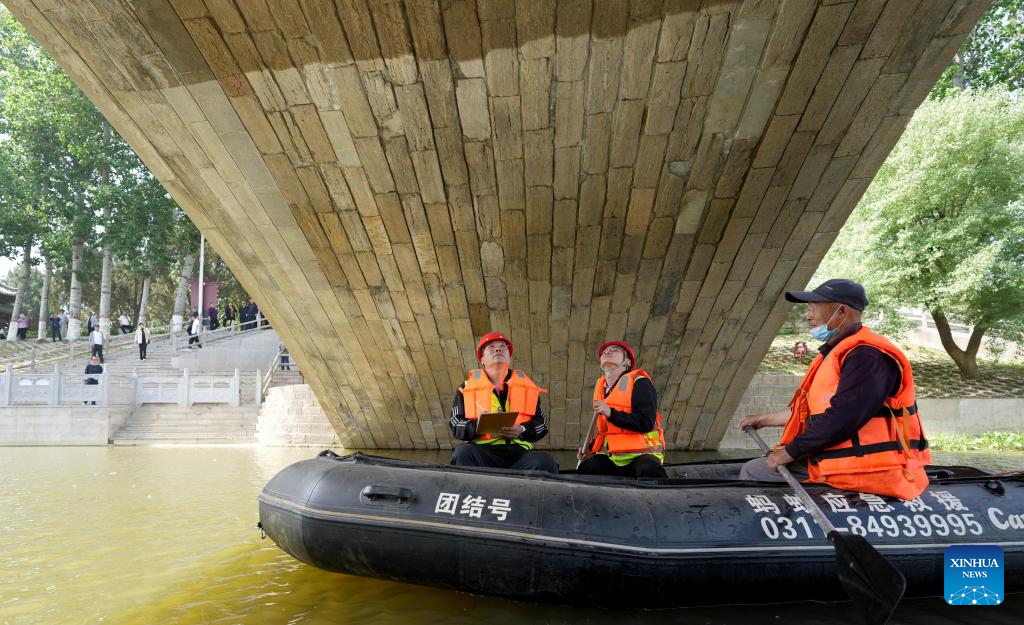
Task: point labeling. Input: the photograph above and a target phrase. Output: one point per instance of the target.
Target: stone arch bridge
(392, 178)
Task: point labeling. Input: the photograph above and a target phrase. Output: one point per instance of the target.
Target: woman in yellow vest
(628, 439)
(853, 423)
(496, 387)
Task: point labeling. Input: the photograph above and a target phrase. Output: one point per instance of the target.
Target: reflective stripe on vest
(886, 456)
(478, 396)
(613, 440)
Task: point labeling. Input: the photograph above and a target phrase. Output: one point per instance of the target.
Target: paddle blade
(874, 585)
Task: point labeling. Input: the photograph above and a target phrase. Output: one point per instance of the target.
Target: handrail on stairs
(272, 370)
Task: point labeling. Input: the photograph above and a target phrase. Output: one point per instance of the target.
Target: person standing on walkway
(94, 368)
(22, 327)
(229, 315)
(628, 440)
(142, 339)
(211, 314)
(853, 422)
(194, 329)
(96, 339)
(125, 323)
(496, 387)
(55, 334)
(244, 315)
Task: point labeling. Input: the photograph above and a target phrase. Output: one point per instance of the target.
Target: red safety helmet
(625, 347)
(491, 337)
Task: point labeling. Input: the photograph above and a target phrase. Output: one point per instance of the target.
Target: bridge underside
(390, 179)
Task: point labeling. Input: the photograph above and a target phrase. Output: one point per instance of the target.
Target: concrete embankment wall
(253, 350)
(59, 425)
(949, 416)
(291, 416)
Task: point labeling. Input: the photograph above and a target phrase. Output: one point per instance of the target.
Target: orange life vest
(479, 397)
(613, 440)
(888, 454)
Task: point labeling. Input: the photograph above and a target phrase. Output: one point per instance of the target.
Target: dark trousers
(642, 466)
(501, 456)
(55, 334)
(142, 351)
(194, 338)
(126, 329)
(23, 333)
(97, 350)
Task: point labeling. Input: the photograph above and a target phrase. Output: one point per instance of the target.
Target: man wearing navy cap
(853, 423)
(496, 387)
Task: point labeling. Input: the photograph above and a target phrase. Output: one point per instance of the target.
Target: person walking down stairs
(141, 339)
(194, 331)
(96, 340)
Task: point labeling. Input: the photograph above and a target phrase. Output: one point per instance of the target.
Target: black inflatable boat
(701, 537)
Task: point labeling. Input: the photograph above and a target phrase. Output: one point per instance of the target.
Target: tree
(992, 55)
(942, 225)
(53, 135)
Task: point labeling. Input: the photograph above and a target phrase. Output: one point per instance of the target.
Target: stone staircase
(291, 416)
(288, 377)
(156, 424)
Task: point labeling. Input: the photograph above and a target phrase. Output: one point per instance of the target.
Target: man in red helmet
(496, 387)
(628, 440)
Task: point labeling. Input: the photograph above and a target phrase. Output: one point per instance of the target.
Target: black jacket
(644, 417)
(868, 376)
(91, 368)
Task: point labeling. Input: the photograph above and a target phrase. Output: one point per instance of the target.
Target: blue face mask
(823, 333)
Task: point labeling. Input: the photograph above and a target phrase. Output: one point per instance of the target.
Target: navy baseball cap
(839, 290)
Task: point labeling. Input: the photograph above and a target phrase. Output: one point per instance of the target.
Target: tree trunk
(19, 300)
(108, 250)
(44, 304)
(179, 298)
(144, 302)
(966, 359)
(75, 295)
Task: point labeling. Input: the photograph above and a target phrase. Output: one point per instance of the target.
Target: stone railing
(189, 389)
(58, 388)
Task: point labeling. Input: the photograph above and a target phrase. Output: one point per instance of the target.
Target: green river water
(140, 535)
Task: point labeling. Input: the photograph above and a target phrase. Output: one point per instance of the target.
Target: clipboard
(491, 422)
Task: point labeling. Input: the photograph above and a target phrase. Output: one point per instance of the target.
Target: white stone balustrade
(189, 389)
(59, 388)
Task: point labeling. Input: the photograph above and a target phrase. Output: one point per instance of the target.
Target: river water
(161, 535)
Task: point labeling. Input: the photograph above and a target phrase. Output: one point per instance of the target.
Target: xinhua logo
(974, 575)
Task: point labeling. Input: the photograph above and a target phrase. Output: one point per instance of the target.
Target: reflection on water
(167, 535)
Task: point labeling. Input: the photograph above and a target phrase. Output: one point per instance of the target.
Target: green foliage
(942, 225)
(31, 304)
(60, 166)
(991, 56)
(998, 441)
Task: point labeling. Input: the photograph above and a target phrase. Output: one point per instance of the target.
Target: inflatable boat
(701, 537)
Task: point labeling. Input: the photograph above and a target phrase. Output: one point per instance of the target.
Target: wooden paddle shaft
(586, 439)
(805, 498)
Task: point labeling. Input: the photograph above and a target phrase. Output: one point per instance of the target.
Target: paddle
(874, 585)
(581, 452)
